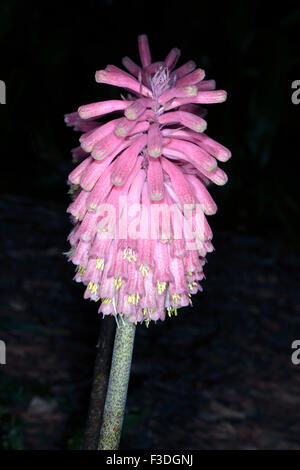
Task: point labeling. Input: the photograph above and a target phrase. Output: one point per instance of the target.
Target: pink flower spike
(192, 78)
(189, 120)
(126, 161)
(102, 107)
(154, 143)
(179, 183)
(131, 66)
(144, 50)
(120, 80)
(207, 85)
(172, 58)
(155, 179)
(152, 157)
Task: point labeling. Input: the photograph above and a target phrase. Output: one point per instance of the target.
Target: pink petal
(144, 50)
(155, 179)
(154, 143)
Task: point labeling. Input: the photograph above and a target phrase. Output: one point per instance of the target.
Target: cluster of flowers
(154, 151)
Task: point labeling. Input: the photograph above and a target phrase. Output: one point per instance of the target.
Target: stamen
(160, 81)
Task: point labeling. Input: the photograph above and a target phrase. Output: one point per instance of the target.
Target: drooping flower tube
(140, 197)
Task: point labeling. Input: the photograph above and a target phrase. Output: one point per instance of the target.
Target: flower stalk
(115, 402)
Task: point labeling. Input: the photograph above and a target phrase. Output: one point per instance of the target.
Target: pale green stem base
(117, 387)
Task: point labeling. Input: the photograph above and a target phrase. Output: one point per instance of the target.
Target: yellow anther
(100, 263)
(118, 283)
(90, 285)
(81, 269)
(94, 288)
(128, 254)
(134, 298)
(105, 229)
(144, 270)
(106, 300)
(161, 287)
(190, 273)
(147, 321)
(175, 298)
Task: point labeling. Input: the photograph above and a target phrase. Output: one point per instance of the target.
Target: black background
(240, 341)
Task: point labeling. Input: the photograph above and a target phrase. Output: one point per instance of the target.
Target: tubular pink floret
(131, 66)
(106, 146)
(206, 85)
(78, 154)
(144, 50)
(120, 80)
(189, 120)
(126, 161)
(102, 107)
(154, 143)
(192, 78)
(188, 67)
(76, 174)
(178, 92)
(155, 179)
(92, 138)
(203, 197)
(172, 58)
(93, 172)
(136, 108)
(179, 183)
(192, 153)
(140, 199)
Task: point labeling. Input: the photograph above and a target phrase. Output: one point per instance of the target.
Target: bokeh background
(220, 375)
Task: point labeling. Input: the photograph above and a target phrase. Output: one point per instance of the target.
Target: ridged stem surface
(117, 388)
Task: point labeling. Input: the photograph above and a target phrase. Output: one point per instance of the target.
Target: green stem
(117, 388)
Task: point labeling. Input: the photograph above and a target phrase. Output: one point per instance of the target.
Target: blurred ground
(219, 376)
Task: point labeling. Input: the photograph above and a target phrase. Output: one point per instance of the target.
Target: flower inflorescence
(154, 153)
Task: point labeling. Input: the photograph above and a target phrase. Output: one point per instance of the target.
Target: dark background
(49, 54)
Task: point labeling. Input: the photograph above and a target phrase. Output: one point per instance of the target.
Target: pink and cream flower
(151, 157)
